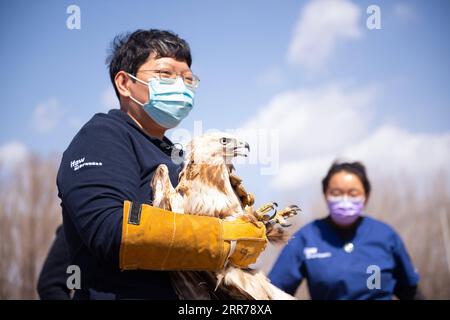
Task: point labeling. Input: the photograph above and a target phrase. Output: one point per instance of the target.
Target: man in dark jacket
(121, 244)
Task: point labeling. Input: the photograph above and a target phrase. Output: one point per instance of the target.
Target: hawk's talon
(262, 213)
(267, 216)
(279, 217)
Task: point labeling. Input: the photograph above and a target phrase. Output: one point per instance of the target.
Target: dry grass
(30, 213)
(421, 218)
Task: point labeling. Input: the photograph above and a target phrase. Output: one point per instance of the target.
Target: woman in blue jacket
(346, 255)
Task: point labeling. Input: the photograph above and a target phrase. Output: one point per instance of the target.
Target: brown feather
(222, 198)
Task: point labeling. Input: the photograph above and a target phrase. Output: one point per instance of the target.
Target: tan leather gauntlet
(157, 239)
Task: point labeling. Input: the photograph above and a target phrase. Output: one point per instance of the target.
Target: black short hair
(130, 50)
(356, 168)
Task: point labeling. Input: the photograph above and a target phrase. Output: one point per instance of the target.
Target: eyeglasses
(169, 77)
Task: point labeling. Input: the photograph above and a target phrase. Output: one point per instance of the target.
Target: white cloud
(108, 100)
(12, 153)
(317, 126)
(388, 152)
(313, 121)
(322, 25)
(47, 115)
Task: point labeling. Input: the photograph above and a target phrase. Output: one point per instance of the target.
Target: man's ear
(122, 81)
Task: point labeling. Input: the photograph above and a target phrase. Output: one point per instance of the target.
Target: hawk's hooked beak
(241, 149)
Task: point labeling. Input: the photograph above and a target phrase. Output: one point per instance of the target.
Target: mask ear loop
(135, 100)
(141, 81)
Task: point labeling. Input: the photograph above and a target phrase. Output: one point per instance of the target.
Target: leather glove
(157, 239)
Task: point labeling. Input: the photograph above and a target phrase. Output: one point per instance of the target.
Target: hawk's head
(205, 179)
(216, 148)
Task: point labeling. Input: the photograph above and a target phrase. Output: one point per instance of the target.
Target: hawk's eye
(224, 140)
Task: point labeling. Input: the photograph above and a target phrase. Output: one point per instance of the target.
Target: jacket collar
(165, 144)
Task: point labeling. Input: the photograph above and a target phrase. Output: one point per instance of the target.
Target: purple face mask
(343, 210)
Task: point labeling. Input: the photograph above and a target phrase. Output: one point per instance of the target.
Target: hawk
(208, 186)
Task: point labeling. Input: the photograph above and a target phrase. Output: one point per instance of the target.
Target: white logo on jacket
(313, 253)
(80, 163)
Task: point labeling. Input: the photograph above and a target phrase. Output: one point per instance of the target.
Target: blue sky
(54, 79)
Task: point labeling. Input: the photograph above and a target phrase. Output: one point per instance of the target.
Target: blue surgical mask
(168, 103)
